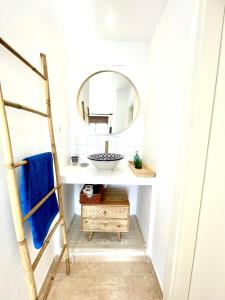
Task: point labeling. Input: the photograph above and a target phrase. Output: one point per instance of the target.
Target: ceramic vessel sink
(105, 162)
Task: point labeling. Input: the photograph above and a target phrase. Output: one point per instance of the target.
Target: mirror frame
(131, 83)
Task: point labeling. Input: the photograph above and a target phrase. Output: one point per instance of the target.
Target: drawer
(105, 211)
(102, 225)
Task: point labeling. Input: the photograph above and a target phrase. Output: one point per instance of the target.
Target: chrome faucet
(106, 147)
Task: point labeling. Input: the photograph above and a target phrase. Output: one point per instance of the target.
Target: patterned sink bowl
(105, 162)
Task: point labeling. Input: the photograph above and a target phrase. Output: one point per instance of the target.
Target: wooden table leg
(119, 236)
(90, 236)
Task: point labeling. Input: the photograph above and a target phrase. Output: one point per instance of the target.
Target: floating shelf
(145, 171)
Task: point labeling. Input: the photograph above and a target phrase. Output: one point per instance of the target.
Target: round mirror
(108, 102)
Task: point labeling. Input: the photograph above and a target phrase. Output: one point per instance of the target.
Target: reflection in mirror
(108, 102)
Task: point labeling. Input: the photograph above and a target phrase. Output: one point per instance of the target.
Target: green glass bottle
(137, 161)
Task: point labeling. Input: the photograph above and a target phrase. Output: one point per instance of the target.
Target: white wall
(128, 58)
(167, 118)
(144, 196)
(68, 203)
(209, 257)
(182, 246)
(28, 27)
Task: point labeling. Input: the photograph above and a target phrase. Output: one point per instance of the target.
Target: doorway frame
(207, 29)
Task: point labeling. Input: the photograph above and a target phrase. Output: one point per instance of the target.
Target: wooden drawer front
(105, 225)
(102, 211)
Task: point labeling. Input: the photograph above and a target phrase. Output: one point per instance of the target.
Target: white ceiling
(131, 20)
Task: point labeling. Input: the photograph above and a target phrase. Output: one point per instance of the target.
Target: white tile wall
(84, 145)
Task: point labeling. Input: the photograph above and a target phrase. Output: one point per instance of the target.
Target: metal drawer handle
(105, 212)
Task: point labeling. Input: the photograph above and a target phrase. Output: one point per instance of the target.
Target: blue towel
(37, 180)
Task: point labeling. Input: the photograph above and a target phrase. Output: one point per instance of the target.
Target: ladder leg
(15, 201)
(65, 242)
(25, 256)
(90, 235)
(56, 163)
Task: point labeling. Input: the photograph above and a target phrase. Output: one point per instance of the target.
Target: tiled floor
(104, 242)
(106, 269)
(106, 281)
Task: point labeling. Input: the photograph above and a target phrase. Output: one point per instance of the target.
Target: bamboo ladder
(10, 165)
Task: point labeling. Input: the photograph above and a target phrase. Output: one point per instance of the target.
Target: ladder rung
(46, 242)
(7, 46)
(20, 163)
(18, 106)
(42, 201)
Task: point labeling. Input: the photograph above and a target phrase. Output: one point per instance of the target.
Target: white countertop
(122, 175)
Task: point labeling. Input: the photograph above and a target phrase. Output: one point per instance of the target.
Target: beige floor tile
(76, 287)
(143, 287)
(106, 257)
(112, 287)
(95, 268)
(107, 268)
(105, 287)
(138, 268)
(102, 240)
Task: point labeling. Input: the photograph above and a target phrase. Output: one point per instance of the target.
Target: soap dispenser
(137, 161)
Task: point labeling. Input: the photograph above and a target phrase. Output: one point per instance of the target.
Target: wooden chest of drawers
(112, 215)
